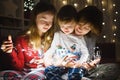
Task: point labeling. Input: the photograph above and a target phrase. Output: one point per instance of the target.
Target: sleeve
(49, 53)
(17, 56)
(84, 51)
(90, 41)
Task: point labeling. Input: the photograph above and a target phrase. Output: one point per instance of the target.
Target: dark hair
(67, 13)
(41, 7)
(92, 15)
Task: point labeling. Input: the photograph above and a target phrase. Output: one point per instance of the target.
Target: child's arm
(48, 55)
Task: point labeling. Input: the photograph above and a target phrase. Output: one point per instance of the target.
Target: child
(26, 57)
(66, 48)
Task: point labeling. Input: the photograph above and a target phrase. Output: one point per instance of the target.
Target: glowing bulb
(114, 27)
(113, 40)
(75, 4)
(116, 12)
(103, 2)
(88, 0)
(114, 34)
(114, 5)
(103, 23)
(48, 38)
(104, 36)
(115, 20)
(103, 9)
(86, 5)
(64, 2)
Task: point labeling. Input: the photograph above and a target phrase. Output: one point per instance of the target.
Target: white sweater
(64, 43)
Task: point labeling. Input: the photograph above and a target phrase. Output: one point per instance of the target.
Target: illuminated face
(82, 29)
(67, 28)
(44, 21)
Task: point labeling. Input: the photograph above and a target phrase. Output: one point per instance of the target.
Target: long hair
(34, 38)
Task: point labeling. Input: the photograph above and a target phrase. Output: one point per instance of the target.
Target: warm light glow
(103, 9)
(114, 34)
(103, 3)
(64, 2)
(48, 38)
(75, 4)
(89, 1)
(103, 23)
(114, 27)
(104, 36)
(86, 5)
(28, 5)
(113, 40)
(115, 20)
(116, 12)
(114, 5)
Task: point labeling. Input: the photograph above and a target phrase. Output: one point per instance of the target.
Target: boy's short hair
(67, 13)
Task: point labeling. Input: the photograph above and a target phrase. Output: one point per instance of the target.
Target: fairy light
(114, 27)
(103, 23)
(88, 1)
(104, 36)
(75, 4)
(28, 5)
(113, 40)
(103, 9)
(114, 34)
(103, 3)
(114, 5)
(64, 2)
(115, 20)
(86, 5)
(116, 12)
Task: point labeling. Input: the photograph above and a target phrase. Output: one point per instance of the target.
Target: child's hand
(60, 61)
(7, 46)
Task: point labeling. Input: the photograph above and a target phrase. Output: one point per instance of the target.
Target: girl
(27, 55)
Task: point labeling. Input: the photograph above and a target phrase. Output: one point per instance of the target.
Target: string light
(114, 34)
(114, 5)
(107, 7)
(104, 36)
(103, 9)
(64, 2)
(28, 5)
(115, 20)
(86, 5)
(102, 2)
(103, 23)
(75, 4)
(116, 12)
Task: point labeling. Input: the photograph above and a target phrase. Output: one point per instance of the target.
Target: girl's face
(44, 21)
(68, 27)
(82, 29)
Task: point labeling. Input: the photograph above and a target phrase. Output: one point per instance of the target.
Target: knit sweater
(24, 57)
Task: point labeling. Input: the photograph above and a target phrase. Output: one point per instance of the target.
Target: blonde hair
(35, 40)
